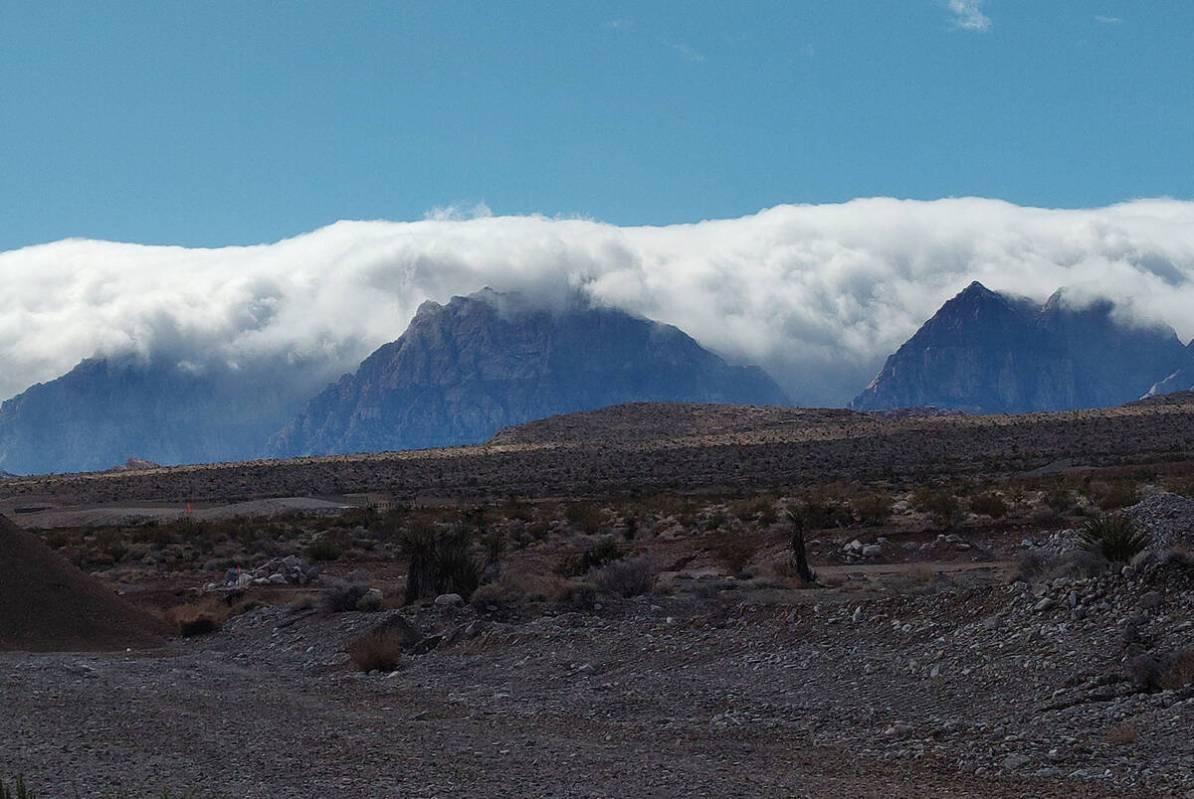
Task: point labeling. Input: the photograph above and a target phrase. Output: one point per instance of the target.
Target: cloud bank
(816, 294)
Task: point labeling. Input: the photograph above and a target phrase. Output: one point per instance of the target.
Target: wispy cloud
(619, 24)
(1106, 20)
(968, 15)
(687, 52)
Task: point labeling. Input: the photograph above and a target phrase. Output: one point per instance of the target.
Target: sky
(218, 123)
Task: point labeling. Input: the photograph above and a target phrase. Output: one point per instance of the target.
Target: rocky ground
(966, 686)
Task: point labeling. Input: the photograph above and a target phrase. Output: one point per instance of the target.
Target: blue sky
(232, 122)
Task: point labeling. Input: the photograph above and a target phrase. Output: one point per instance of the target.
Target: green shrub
(1117, 538)
(18, 790)
(603, 551)
(1060, 501)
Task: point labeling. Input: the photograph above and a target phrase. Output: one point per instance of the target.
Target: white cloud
(818, 294)
(968, 15)
(687, 52)
(1107, 20)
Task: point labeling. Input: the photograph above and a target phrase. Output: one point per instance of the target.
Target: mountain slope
(105, 411)
(464, 370)
(985, 352)
(1180, 380)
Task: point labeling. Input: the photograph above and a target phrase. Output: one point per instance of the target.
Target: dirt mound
(48, 605)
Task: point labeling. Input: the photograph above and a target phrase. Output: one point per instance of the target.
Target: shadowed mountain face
(105, 411)
(984, 352)
(1181, 380)
(464, 370)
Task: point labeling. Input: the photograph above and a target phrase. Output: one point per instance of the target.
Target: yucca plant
(18, 790)
(1117, 538)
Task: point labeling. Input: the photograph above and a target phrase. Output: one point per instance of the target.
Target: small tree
(799, 552)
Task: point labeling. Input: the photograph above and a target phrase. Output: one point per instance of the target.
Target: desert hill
(46, 604)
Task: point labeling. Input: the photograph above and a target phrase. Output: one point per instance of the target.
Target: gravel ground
(951, 690)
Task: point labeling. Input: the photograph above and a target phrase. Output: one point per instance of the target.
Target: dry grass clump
(1080, 563)
(201, 617)
(585, 516)
(380, 649)
(941, 504)
(518, 586)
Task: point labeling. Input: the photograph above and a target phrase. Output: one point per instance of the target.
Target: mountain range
(986, 352)
(468, 368)
(458, 374)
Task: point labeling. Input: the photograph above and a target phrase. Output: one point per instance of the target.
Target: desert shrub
(515, 587)
(112, 543)
(441, 562)
(715, 520)
(761, 508)
(1122, 735)
(1178, 671)
(989, 504)
(377, 650)
(1117, 538)
(585, 516)
(604, 550)
(196, 618)
(1034, 566)
(323, 549)
(874, 510)
(1060, 501)
(342, 596)
(1154, 672)
(578, 595)
(941, 505)
(627, 578)
(1115, 495)
(823, 514)
(735, 550)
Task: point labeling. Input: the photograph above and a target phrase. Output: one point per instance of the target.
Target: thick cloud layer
(818, 295)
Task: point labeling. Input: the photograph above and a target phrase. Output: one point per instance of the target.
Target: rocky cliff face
(985, 352)
(463, 370)
(105, 411)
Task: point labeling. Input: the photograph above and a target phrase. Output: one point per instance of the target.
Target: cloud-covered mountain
(105, 411)
(817, 295)
(986, 352)
(463, 370)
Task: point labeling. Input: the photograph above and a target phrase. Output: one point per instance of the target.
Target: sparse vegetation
(324, 550)
(874, 510)
(942, 506)
(989, 504)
